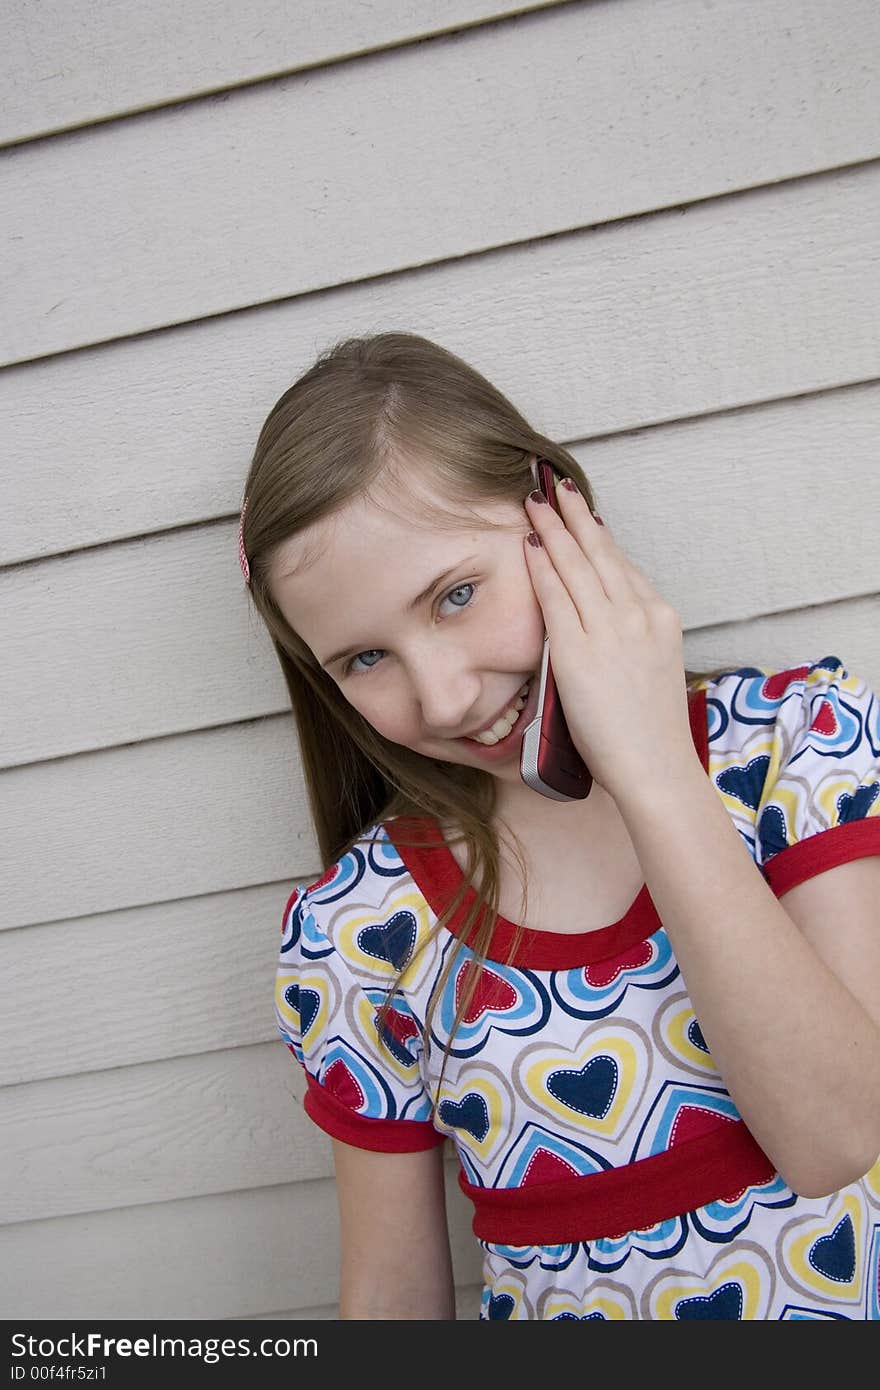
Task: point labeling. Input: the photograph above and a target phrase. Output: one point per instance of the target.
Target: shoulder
(337, 966)
(352, 909)
(796, 752)
(820, 700)
(351, 938)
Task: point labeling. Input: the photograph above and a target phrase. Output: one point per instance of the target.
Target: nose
(448, 697)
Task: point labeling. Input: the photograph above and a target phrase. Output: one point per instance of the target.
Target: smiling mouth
(506, 723)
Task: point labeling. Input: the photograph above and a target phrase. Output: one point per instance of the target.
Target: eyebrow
(410, 607)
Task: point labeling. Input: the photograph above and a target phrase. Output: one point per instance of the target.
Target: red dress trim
(714, 1167)
(364, 1132)
(837, 845)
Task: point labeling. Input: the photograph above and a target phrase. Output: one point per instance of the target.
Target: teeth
(502, 726)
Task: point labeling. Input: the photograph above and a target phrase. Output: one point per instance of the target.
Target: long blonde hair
(344, 425)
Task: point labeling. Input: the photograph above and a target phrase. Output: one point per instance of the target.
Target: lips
(484, 728)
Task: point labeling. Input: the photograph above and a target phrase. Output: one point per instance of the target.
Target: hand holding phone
(549, 762)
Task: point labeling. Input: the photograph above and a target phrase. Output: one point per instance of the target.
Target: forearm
(418, 1286)
(395, 1260)
(375, 1305)
(797, 1052)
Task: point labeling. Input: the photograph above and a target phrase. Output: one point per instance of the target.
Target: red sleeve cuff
(825, 850)
(384, 1136)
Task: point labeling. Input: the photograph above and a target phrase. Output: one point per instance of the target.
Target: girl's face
(424, 663)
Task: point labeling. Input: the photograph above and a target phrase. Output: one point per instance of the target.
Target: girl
(648, 1020)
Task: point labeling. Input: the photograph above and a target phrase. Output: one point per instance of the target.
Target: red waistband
(712, 1167)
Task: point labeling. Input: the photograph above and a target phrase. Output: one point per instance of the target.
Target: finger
(595, 540)
(607, 557)
(568, 561)
(581, 556)
(642, 586)
(562, 615)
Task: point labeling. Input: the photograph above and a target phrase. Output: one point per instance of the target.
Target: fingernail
(570, 485)
(597, 517)
(537, 497)
(534, 539)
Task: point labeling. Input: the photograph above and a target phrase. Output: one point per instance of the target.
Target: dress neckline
(438, 876)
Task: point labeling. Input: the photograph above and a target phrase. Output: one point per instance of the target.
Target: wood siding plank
(564, 118)
(467, 1304)
(64, 65)
(751, 298)
(154, 822)
(186, 1127)
(232, 1255)
(170, 980)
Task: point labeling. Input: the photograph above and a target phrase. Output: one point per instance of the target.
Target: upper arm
(801, 749)
(838, 912)
(365, 1089)
(395, 1258)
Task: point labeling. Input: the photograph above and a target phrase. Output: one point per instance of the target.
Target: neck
(533, 816)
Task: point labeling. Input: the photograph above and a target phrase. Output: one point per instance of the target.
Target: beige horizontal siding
(235, 1255)
(154, 822)
(778, 640)
(170, 979)
(568, 117)
(467, 1306)
(66, 64)
(185, 1127)
(751, 298)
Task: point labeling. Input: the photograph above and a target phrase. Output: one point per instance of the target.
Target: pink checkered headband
(242, 558)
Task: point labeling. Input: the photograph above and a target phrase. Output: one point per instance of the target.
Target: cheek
(381, 711)
(519, 622)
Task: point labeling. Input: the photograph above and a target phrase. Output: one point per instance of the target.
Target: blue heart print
(306, 1002)
(500, 1307)
(745, 783)
(695, 1036)
(726, 1302)
(471, 1114)
(857, 807)
(834, 1256)
(589, 1091)
(393, 941)
(771, 833)
(771, 827)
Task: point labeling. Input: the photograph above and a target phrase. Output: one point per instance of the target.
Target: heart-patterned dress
(610, 1171)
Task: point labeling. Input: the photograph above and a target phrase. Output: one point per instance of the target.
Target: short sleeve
(816, 761)
(366, 1092)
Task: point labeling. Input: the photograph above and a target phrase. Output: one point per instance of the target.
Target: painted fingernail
(537, 497)
(534, 539)
(570, 485)
(597, 518)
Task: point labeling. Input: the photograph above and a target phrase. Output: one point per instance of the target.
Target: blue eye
(350, 670)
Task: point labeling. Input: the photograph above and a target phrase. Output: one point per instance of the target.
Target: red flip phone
(549, 762)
